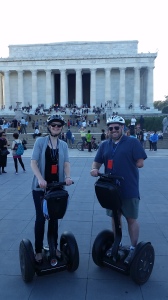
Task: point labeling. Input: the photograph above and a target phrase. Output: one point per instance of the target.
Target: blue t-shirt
(124, 155)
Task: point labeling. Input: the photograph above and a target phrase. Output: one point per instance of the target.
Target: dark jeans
(83, 142)
(89, 146)
(23, 128)
(36, 134)
(40, 222)
(150, 145)
(16, 163)
(154, 145)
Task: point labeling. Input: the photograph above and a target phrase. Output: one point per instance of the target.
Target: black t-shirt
(103, 136)
(51, 158)
(141, 136)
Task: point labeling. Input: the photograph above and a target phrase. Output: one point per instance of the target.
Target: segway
(54, 207)
(141, 265)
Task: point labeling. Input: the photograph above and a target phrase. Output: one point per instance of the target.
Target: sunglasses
(114, 128)
(56, 125)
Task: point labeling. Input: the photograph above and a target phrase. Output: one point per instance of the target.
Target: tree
(161, 104)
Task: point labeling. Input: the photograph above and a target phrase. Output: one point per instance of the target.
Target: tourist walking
(17, 158)
(3, 152)
(141, 122)
(133, 122)
(154, 139)
(83, 137)
(69, 138)
(103, 135)
(23, 125)
(150, 141)
(88, 140)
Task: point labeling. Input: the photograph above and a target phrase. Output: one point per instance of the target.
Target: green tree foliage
(150, 123)
(165, 110)
(161, 104)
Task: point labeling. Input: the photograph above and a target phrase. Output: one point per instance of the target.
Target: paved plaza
(85, 219)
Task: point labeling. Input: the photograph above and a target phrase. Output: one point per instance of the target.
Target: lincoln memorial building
(77, 73)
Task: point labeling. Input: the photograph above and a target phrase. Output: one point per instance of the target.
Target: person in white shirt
(36, 132)
(145, 137)
(23, 125)
(133, 122)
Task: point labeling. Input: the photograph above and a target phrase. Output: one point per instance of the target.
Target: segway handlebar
(55, 184)
(110, 176)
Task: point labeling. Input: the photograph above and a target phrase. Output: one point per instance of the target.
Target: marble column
(93, 88)
(7, 101)
(20, 88)
(64, 99)
(150, 88)
(107, 85)
(1, 91)
(122, 88)
(136, 101)
(34, 89)
(79, 88)
(48, 89)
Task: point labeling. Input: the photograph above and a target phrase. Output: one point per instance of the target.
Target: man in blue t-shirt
(122, 156)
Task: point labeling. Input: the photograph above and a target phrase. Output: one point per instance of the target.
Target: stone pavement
(85, 218)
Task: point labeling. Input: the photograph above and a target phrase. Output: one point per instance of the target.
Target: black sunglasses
(115, 127)
(56, 125)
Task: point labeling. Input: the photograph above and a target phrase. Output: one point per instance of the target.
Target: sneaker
(16, 173)
(129, 257)
(108, 252)
(24, 171)
(38, 258)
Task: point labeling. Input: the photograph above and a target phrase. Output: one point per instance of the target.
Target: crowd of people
(135, 130)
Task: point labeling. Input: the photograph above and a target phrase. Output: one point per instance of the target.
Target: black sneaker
(109, 251)
(129, 257)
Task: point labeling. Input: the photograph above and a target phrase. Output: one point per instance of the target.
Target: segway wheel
(95, 147)
(69, 247)
(79, 146)
(142, 264)
(102, 243)
(27, 264)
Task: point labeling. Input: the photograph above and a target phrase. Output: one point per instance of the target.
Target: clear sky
(50, 21)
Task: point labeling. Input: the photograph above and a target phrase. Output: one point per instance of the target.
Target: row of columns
(64, 92)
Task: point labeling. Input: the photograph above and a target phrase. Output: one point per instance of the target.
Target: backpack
(19, 149)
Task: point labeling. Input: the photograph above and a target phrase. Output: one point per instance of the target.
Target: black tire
(27, 263)
(102, 243)
(69, 247)
(142, 264)
(79, 146)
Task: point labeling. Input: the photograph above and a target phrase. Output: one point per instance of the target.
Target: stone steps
(162, 144)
